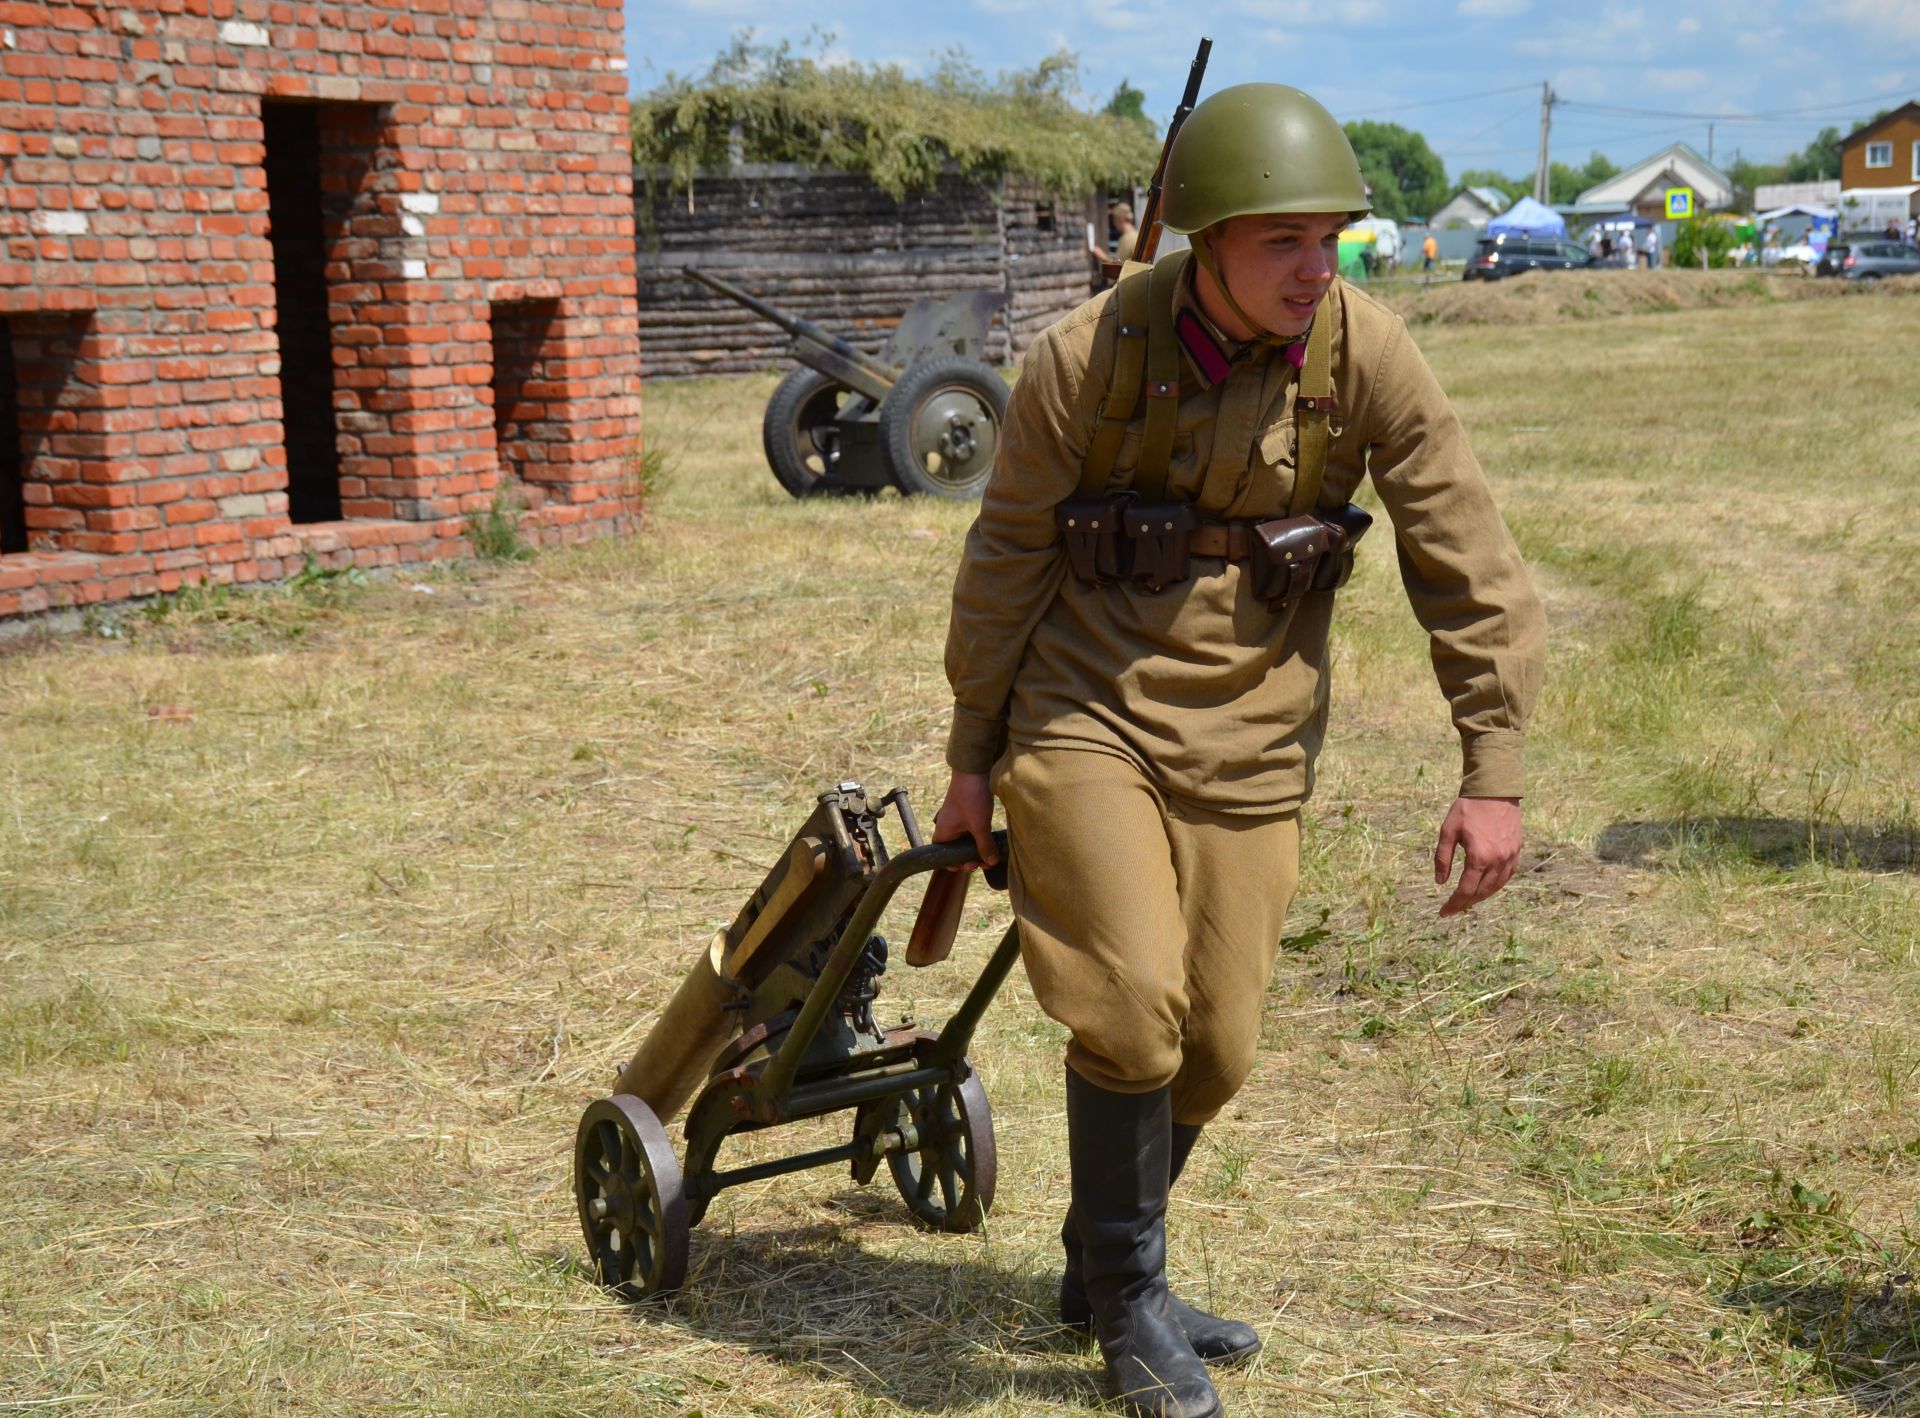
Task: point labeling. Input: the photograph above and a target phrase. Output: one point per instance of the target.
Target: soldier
(1148, 707)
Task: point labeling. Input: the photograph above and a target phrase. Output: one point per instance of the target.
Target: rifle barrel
(1146, 236)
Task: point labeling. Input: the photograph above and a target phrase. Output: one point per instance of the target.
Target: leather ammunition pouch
(1159, 534)
(1090, 530)
(1286, 555)
(1295, 555)
(1346, 526)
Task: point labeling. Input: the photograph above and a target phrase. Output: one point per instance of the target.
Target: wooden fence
(836, 250)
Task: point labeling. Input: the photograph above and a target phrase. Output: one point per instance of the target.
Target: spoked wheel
(799, 432)
(941, 424)
(946, 1172)
(632, 1207)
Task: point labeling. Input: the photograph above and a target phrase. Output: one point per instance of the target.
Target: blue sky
(1799, 65)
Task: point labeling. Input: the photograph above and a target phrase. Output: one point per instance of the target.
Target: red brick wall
(474, 159)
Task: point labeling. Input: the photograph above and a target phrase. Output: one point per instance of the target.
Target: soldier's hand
(1490, 831)
(968, 812)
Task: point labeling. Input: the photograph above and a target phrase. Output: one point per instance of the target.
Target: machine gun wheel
(947, 1177)
(940, 425)
(800, 432)
(632, 1206)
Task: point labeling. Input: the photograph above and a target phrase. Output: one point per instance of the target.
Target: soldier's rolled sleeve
(1462, 572)
(1013, 562)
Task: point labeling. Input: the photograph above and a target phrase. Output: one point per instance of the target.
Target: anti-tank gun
(924, 416)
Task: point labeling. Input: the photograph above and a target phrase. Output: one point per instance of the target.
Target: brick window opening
(300, 296)
(526, 426)
(13, 505)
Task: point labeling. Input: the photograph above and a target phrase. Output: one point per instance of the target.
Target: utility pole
(1541, 189)
(1709, 145)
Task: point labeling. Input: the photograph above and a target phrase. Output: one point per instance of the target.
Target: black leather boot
(1119, 1145)
(1216, 1340)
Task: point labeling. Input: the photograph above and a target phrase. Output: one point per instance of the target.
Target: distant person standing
(1650, 247)
(1108, 258)
(1429, 253)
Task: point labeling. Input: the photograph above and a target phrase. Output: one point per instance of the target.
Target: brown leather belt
(1233, 540)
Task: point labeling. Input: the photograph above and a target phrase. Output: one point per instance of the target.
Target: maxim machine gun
(923, 417)
(775, 1024)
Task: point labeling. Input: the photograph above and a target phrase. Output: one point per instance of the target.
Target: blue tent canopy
(1528, 218)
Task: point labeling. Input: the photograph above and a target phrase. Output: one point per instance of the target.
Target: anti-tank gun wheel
(946, 1173)
(799, 432)
(941, 424)
(633, 1208)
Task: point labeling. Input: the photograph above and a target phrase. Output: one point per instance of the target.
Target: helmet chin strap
(1202, 242)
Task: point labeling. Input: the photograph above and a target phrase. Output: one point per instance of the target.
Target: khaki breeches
(1148, 926)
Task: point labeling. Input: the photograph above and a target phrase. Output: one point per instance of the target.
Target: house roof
(1910, 109)
(1495, 199)
(1714, 186)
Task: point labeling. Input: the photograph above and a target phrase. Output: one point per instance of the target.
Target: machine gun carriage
(775, 1024)
(924, 416)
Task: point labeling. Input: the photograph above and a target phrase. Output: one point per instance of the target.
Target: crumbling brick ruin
(287, 279)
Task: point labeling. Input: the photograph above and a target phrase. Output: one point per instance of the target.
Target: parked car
(1497, 256)
(1869, 260)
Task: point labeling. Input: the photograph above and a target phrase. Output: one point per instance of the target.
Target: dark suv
(1497, 256)
(1869, 260)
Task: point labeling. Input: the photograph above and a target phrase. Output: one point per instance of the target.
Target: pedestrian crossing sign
(1679, 203)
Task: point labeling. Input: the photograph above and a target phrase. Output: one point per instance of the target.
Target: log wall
(836, 250)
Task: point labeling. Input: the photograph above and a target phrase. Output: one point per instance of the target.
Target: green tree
(1816, 162)
(1407, 179)
(1128, 102)
(1748, 176)
(1565, 183)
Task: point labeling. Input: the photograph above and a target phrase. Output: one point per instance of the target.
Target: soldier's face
(1279, 268)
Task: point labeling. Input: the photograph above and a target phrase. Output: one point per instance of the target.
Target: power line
(1438, 102)
(1849, 106)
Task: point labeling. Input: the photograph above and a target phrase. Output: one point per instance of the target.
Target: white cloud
(1674, 81)
(1494, 8)
(1688, 25)
(1897, 23)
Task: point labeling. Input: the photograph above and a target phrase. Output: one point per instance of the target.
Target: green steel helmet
(1256, 149)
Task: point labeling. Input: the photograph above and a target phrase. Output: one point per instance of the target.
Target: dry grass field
(324, 911)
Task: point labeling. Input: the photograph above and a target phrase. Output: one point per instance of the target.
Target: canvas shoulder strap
(1313, 415)
(1131, 298)
(1146, 358)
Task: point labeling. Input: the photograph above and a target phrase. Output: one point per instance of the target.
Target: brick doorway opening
(298, 235)
(13, 503)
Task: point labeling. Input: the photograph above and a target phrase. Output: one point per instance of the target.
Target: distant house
(1642, 188)
(1885, 153)
(1469, 207)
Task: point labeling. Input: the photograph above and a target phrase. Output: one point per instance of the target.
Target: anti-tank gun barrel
(812, 346)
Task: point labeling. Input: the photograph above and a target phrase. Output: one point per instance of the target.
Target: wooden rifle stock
(1146, 235)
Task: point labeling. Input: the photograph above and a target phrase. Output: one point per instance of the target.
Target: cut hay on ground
(324, 912)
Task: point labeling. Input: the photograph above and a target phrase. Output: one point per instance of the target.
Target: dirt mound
(1543, 296)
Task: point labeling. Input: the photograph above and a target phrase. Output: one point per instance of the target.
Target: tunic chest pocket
(1277, 445)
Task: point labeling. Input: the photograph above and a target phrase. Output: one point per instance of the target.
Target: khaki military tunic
(1216, 698)
(1152, 750)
